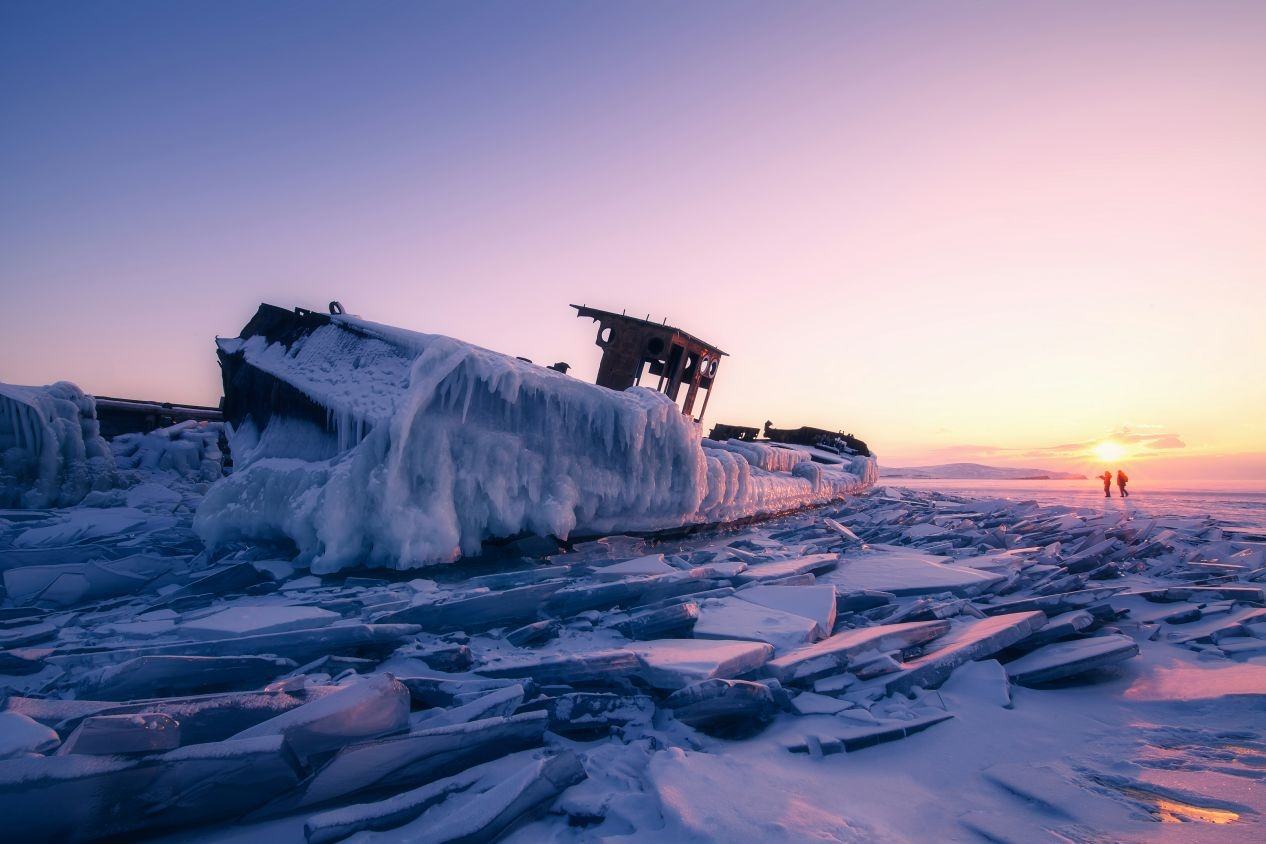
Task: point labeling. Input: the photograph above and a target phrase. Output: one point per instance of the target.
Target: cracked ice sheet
(933, 780)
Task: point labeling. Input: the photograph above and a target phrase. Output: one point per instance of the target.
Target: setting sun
(1109, 451)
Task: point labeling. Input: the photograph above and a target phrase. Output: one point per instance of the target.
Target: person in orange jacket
(1122, 480)
(1106, 477)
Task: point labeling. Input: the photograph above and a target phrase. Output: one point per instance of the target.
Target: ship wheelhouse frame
(633, 348)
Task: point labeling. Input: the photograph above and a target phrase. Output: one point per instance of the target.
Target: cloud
(1142, 440)
(1150, 439)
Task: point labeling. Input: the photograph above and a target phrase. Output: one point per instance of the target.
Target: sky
(994, 232)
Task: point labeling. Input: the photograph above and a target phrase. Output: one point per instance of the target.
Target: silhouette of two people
(1122, 480)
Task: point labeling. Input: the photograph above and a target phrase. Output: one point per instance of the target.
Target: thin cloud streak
(1141, 446)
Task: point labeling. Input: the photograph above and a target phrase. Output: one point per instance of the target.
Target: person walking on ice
(1122, 480)
(1106, 477)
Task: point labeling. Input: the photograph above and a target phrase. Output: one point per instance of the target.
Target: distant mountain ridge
(977, 472)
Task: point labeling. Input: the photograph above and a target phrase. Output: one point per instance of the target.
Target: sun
(1109, 452)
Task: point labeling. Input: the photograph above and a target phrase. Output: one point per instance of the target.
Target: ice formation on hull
(366, 444)
(189, 449)
(51, 450)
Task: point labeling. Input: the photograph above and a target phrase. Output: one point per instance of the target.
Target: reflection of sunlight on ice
(1169, 810)
(1187, 682)
(1246, 755)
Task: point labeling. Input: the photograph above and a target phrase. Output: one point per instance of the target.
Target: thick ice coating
(401, 449)
(51, 450)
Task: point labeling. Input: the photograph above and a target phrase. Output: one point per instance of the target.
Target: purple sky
(987, 231)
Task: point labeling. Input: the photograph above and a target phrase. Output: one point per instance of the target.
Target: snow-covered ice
(52, 453)
(1014, 671)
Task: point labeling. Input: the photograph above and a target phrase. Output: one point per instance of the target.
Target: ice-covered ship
(365, 444)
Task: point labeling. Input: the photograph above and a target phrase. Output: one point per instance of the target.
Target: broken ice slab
(1243, 646)
(833, 655)
(592, 714)
(815, 602)
(734, 618)
(1211, 628)
(1059, 627)
(256, 620)
(586, 667)
(488, 807)
(672, 664)
(202, 718)
(923, 530)
(723, 705)
(674, 619)
(76, 797)
(20, 616)
(222, 580)
(1089, 558)
(851, 739)
(841, 530)
(89, 524)
(521, 577)
(365, 707)
(299, 645)
(16, 637)
(446, 656)
(812, 564)
(20, 735)
(11, 558)
(163, 676)
(627, 593)
(1054, 604)
(1236, 592)
(413, 758)
(637, 567)
(337, 824)
(108, 735)
(906, 572)
(53, 711)
(1069, 659)
(482, 611)
(865, 599)
(974, 640)
(533, 634)
(69, 584)
(445, 690)
(485, 816)
(811, 703)
(495, 704)
(22, 662)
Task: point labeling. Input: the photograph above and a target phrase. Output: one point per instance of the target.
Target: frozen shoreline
(575, 658)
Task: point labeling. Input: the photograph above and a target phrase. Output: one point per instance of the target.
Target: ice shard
(1069, 659)
(364, 708)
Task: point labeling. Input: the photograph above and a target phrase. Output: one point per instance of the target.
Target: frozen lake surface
(993, 661)
(1233, 503)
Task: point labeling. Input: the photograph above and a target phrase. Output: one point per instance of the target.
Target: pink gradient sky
(964, 231)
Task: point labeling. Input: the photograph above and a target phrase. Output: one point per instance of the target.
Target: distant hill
(977, 472)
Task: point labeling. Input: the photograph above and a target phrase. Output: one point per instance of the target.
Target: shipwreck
(366, 444)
